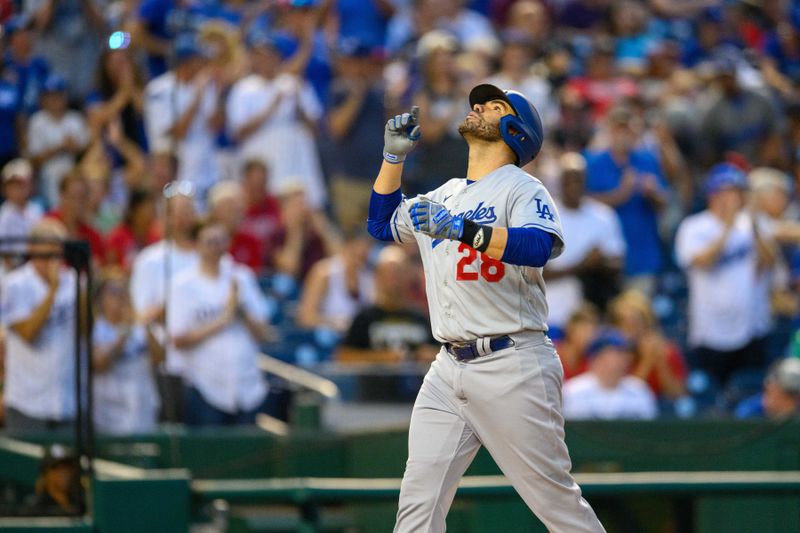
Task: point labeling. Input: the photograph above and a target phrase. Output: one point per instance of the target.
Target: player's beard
(480, 129)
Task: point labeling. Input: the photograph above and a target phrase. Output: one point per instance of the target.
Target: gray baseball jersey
(471, 295)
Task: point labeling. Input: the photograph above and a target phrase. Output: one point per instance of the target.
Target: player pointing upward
(497, 379)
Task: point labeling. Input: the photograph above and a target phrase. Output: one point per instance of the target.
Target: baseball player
(497, 379)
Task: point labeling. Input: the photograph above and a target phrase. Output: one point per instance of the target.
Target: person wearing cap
(183, 114)
(56, 136)
(58, 490)
(606, 391)
(18, 214)
(483, 240)
(630, 179)
(720, 251)
(21, 63)
(271, 116)
(780, 398)
(356, 105)
(739, 119)
(37, 308)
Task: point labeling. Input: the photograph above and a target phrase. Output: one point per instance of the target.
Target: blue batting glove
(433, 219)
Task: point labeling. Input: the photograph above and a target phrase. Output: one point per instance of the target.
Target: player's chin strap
(474, 234)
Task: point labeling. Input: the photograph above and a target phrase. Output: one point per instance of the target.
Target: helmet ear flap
(518, 136)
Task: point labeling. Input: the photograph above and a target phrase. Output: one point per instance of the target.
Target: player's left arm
(531, 239)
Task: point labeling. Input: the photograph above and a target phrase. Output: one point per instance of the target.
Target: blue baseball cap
(608, 338)
(54, 83)
(724, 176)
(353, 47)
(186, 46)
(15, 24)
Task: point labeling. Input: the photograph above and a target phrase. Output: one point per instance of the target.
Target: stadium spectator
(579, 332)
(226, 207)
(338, 287)
(739, 120)
(781, 396)
(137, 230)
(272, 115)
(631, 181)
(125, 394)
(71, 210)
(303, 42)
(306, 236)
(154, 271)
(531, 18)
(776, 302)
(183, 115)
(720, 252)
(70, 34)
(262, 218)
(217, 327)
(450, 16)
(58, 489)
(442, 103)
(516, 73)
(601, 86)
(389, 331)
(657, 361)
(353, 122)
(590, 267)
(56, 137)
(114, 165)
(37, 307)
(606, 391)
(18, 214)
(365, 22)
(118, 95)
(22, 66)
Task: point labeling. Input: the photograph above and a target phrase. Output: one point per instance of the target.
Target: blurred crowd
(218, 155)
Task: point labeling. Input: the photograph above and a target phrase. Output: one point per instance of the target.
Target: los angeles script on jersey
(480, 215)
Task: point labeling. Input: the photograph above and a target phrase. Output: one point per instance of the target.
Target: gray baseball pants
(510, 402)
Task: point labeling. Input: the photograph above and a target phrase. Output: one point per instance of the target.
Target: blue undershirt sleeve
(528, 247)
(381, 209)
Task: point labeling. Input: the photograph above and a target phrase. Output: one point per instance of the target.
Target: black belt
(478, 348)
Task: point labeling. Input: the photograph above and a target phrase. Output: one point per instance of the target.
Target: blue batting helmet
(521, 132)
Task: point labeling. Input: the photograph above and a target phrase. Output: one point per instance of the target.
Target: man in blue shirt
(781, 396)
(20, 65)
(631, 181)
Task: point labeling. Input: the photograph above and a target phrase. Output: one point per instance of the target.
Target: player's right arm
(400, 136)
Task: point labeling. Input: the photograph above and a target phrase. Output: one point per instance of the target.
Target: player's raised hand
(401, 135)
(433, 219)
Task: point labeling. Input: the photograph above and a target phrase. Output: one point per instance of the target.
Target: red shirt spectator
(85, 232)
(122, 245)
(247, 249)
(262, 216)
(138, 230)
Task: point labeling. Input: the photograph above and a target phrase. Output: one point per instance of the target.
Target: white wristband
(392, 158)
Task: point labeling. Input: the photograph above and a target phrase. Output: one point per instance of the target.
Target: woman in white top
(125, 395)
(338, 287)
